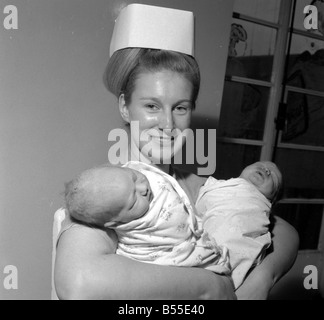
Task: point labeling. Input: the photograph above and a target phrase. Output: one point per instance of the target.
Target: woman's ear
(123, 109)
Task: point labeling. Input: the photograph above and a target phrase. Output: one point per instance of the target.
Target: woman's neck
(138, 156)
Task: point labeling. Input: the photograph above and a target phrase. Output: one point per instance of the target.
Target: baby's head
(107, 195)
(265, 176)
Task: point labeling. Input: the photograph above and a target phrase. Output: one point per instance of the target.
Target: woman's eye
(181, 110)
(152, 107)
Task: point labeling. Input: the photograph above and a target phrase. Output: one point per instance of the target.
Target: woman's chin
(160, 160)
(158, 153)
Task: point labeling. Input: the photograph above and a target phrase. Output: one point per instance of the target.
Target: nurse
(156, 80)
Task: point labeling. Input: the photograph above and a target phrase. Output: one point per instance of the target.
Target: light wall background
(55, 114)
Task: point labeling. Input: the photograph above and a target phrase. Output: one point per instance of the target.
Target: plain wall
(55, 114)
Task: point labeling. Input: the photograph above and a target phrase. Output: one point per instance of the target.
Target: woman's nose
(166, 120)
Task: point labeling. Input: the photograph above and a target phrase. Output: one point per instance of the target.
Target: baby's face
(127, 193)
(265, 176)
(138, 195)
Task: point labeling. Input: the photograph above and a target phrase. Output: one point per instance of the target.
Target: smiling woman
(158, 89)
(129, 71)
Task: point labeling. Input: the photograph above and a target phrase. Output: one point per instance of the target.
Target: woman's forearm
(86, 268)
(116, 277)
(276, 263)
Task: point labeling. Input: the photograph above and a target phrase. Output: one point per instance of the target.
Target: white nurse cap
(143, 26)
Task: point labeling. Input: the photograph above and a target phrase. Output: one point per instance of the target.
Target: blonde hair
(126, 65)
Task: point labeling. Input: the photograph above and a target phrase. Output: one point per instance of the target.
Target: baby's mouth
(257, 177)
(149, 195)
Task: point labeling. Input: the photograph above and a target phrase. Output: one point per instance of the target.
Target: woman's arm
(277, 263)
(86, 268)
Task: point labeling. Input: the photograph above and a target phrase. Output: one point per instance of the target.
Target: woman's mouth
(163, 139)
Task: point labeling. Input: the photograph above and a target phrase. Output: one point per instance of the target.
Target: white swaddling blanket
(236, 215)
(168, 233)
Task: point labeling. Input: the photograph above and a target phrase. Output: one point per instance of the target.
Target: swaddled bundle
(236, 215)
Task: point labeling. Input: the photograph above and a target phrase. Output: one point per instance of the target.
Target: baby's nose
(142, 187)
(267, 171)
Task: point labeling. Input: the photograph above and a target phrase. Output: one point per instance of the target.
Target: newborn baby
(235, 213)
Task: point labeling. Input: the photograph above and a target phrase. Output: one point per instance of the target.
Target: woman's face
(161, 106)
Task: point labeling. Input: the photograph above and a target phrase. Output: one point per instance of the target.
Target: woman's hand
(277, 263)
(257, 286)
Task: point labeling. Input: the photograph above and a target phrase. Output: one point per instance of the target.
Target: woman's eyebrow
(151, 99)
(183, 101)
(157, 100)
